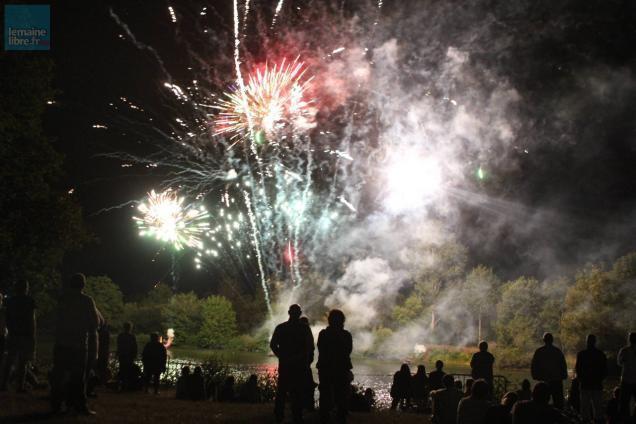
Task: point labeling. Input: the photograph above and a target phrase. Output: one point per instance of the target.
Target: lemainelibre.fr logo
(27, 27)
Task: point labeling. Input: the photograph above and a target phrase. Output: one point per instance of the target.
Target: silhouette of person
(401, 388)
(182, 384)
(502, 413)
(293, 344)
(196, 385)
(226, 394)
(98, 368)
(481, 364)
(473, 409)
(3, 329)
(310, 385)
(627, 360)
(548, 365)
(250, 392)
(435, 378)
(469, 386)
(20, 322)
(525, 393)
(126, 355)
(446, 402)
(154, 358)
(76, 327)
(537, 410)
(334, 367)
(420, 388)
(612, 410)
(591, 370)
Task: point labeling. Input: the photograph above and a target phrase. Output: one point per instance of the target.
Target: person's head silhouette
(295, 312)
(421, 369)
(77, 282)
(541, 393)
(525, 385)
(590, 341)
(483, 346)
(21, 287)
(548, 339)
(336, 318)
(304, 320)
(632, 339)
(154, 337)
(479, 390)
(439, 365)
(128, 327)
(405, 369)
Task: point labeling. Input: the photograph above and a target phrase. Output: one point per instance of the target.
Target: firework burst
(165, 218)
(274, 98)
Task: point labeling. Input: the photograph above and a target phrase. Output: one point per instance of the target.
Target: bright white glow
(412, 181)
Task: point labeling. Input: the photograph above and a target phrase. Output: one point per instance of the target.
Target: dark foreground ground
(118, 408)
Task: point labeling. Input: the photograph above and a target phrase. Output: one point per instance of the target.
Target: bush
(108, 298)
(218, 326)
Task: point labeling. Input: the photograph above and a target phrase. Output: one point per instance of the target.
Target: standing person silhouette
(293, 344)
(591, 370)
(481, 364)
(627, 361)
(126, 355)
(334, 367)
(77, 322)
(548, 365)
(435, 378)
(20, 322)
(153, 358)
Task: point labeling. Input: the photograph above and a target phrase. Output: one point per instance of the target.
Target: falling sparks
(165, 218)
(279, 6)
(173, 16)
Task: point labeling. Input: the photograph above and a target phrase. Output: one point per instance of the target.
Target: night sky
(572, 63)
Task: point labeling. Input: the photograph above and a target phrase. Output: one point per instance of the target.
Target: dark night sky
(590, 185)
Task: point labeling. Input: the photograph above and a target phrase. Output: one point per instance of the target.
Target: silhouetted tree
(39, 221)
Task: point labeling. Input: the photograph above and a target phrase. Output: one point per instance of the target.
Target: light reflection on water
(376, 374)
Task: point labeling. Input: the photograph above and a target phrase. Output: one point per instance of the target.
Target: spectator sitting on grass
(473, 409)
(250, 392)
(226, 393)
(182, 383)
(524, 393)
(445, 402)
(502, 413)
(196, 385)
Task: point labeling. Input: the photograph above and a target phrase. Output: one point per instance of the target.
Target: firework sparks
(165, 217)
(272, 98)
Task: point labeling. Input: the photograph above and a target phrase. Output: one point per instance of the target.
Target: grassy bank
(119, 408)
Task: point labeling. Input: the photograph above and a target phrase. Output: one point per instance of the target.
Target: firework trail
(279, 6)
(257, 248)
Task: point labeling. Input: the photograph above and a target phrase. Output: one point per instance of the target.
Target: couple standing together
(293, 344)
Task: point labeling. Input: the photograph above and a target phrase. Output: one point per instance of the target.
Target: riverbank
(121, 408)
